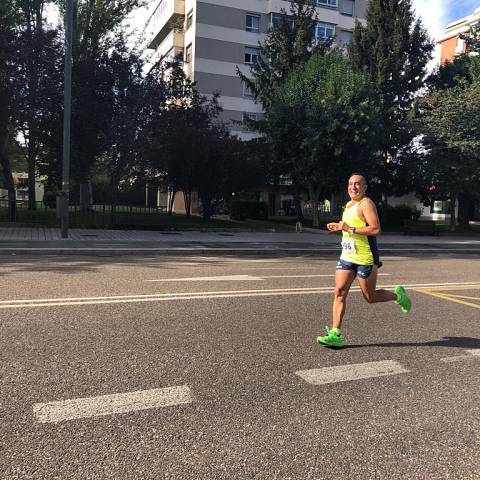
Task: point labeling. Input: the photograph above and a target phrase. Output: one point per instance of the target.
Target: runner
(359, 225)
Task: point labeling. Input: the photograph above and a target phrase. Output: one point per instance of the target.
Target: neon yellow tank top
(355, 247)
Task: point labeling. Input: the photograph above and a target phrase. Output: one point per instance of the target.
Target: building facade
(216, 36)
(451, 44)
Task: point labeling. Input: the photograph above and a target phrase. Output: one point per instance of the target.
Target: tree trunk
(314, 194)
(171, 200)
(464, 209)
(10, 184)
(86, 195)
(297, 201)
(113, 186)
(32, 200)
(384, 210)
(187, 196)
(453, 220)
(207, 208)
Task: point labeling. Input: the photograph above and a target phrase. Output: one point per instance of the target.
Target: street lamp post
(67, 110)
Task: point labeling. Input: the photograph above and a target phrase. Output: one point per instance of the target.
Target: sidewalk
(120, 242)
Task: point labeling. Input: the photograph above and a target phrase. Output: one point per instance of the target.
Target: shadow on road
(449, 342)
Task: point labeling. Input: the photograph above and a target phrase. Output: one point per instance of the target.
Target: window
(347, 7)
(189, 20)
(251, 55)
(252, 23)
(345, 37)
(276, 19)
(247, 92)
(324, 30)
(327, 3)
(440, 206)
(188, 54)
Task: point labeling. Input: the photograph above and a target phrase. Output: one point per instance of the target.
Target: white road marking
(457, 358)
(471, 354)
(241, 278)
(158, 297)
(226, 278)
(346, 373)
(53, 412)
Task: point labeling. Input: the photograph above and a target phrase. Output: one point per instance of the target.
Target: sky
(437, 14)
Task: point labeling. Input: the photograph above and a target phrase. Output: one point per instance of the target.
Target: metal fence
(95, 216)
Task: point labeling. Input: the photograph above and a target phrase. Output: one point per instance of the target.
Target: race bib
(348, 245)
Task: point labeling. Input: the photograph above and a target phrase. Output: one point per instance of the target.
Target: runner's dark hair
(361, 175)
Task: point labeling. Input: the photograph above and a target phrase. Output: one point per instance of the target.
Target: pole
(67, 111)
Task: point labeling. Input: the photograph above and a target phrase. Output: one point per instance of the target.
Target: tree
(176, 120)
(8, 43)
(290, 43)
(125, 69)
(324, 119)
(393, 49)
(36, 64)
(97, 30)
(449, 122)
(462, 70)
(225, 165)
(472, 38)
(436, 168)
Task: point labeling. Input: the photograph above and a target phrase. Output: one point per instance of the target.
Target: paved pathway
(8, 234)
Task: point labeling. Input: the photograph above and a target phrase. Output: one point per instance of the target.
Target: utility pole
(67, 111)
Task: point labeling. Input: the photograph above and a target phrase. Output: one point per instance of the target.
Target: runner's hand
(334, 226)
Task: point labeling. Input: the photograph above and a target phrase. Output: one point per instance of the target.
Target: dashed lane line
(346, 373)
(59, 411)
(470, 355)
(220, 278)
(121, 403)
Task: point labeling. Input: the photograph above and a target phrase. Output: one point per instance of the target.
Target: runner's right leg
(343, 282)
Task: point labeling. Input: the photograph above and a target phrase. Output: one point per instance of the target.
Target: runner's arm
(369, 211)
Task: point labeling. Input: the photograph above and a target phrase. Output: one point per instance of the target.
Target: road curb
(45, 251)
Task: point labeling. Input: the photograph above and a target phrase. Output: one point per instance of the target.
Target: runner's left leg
(369, 289)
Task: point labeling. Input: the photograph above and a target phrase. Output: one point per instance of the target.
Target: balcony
(169, 15)
(170, 47)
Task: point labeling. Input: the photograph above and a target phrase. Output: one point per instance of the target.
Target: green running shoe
(402, 299)
(331, 339)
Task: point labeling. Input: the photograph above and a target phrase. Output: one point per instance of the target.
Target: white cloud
(433, 14)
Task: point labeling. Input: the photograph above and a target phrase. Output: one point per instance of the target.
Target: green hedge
(395, 216)
(241, 210)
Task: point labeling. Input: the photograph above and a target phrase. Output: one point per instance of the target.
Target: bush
(241, 210)
(395, 216)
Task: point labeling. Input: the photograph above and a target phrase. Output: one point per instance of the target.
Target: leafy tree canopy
(324, 122)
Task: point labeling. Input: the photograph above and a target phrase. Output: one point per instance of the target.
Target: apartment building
(451, 43)
(216, 36)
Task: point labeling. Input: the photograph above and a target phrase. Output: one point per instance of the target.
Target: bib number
(348, 245)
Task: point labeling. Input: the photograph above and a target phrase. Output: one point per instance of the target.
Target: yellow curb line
(446, 297)
(464, 296)
(440, 288)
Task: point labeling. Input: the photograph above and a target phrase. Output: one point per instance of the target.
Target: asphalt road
(191, 367)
